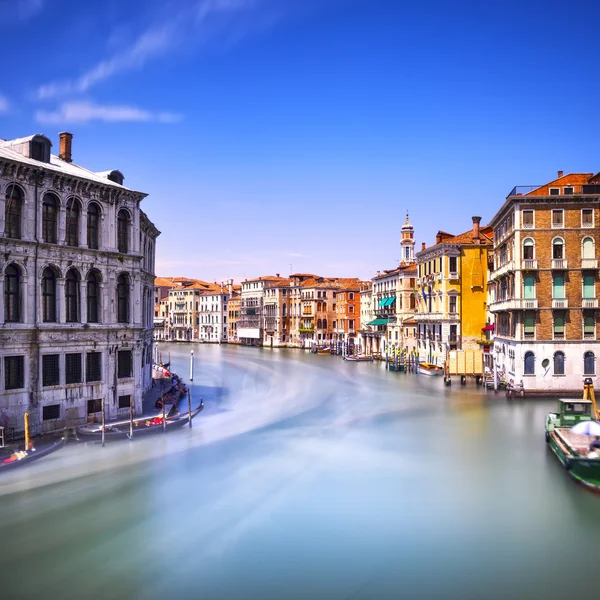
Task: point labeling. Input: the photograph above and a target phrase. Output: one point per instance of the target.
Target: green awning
(378, 322)
(382, 303)
(390, 301)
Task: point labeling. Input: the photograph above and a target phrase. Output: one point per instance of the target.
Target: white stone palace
(76, 317)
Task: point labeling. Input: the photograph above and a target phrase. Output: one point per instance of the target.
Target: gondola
(360, 357)
(116, 430)
(20, 459)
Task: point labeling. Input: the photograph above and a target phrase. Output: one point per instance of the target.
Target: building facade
(77, 259)
(545, 284)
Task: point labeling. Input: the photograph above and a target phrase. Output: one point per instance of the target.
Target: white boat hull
(431, 372)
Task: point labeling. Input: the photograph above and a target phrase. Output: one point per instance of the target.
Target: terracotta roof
(265, 278)
(466, 238)
(283, 282)
(409, 321)
(569, 179)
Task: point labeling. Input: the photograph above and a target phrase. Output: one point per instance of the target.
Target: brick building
(544, 296)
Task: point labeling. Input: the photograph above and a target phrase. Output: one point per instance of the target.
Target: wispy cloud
(84, 112)
(3, 104)
(196, 21)
(20, 10)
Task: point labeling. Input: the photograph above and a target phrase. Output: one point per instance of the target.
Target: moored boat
(323, 351)
(569, 432)
(141, 426)
(359, 357)
(24, 457)
(430, 369)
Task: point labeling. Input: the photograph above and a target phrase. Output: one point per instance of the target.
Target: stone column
(61, 234)
(83, 316)
(60, 298)
(2, 299)
(83, 241)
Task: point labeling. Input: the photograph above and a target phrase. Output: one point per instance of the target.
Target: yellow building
(452, 283)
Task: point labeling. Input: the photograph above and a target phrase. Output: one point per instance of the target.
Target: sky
(293, 135)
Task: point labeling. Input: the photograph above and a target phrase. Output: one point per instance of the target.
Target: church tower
(407, 243)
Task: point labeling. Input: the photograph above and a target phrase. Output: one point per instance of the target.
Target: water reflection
(304, 477)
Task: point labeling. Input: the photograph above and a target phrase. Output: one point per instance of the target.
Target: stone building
(77, 258)
(347, 317)
(276, 313)
(545, 277)
(452, 307)
(233, 314)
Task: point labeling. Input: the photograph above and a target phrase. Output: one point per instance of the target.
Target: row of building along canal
(307, 477)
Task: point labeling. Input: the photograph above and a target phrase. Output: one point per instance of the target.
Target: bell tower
(407, 243)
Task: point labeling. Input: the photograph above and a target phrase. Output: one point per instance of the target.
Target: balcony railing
(505, 268)
(560, 303)
(515, 304)
(429, 316)
(453, 275)
(589, 303)
(530, 264)
(559, 263)
(589, 263)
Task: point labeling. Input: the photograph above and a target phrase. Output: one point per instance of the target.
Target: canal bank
(307, 476)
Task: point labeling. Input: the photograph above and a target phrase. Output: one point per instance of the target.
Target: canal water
(307, 477)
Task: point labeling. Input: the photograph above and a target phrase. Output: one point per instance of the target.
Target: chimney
(560, 174)
(230, 287)
(423, 246)
(438, 238)
(476, 221)
(277, 275)
(64, 152)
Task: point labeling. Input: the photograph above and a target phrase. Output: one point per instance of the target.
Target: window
(527, 219)
(12, 299)
(93, 226)
(50, 370)
(528, 287)
(123, 298)
(558, 218)
(94, 406)
(72, 296)
(38, 151)
(558, 287)
(351, 296)
(558, 248)
(589, 327)
(589, 363)
(529, 363)
(589, 289)
(452, 304)
(49, 218)
(93, 367)
(13, 209)
(351, 324)
(73, 368)
(528, 249)
(559, 327)
(453, 264)
(529, 327)
(125, 364)
(48, 296)
(559, 363)
(568, 191)
(14, 373)
(51, 412)
(122, 231)
(73, 213)
(587, 217)
(351, 310)
(587, 248)
(555, 191)
(125, 401)
(93, 296)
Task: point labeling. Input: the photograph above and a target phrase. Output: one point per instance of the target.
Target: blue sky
(278, 132)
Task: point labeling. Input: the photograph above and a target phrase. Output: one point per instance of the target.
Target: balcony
(589, 303)
(429, 316)
(560, 303)
(589, 263)
(559, 263)
(453, 275)
(514, 304)
(530, 264)
(507, 267)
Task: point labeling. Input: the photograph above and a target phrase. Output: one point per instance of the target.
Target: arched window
(319, 324)
(413, 301)
(324, 323)
(529, 363)
(529, 287)
(528, 249)
(13, 210)
(589, 327)
(12, 295)
(123, 231)
(558, 286)
(587, 248)
(558, 248)
(72, 296)
(559, 363)
(49, 218)
(48, 296)
(93, 226)
(284, 310)
(559, 327)
(589, 363)
(589, 288)
(529, 327)
(123, 298)
(73, 214)
(93, 297)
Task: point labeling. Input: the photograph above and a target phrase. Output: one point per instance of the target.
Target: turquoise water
(307, 477)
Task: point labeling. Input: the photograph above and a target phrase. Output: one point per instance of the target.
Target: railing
(589, 303)
(589, 263)
(430, 316)
(587, 225)
(559, 263)
(530, 264)
(520, 190)
(515, 304)
(453, 275)
(528, 225)
(505, 268)
(560, 303)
